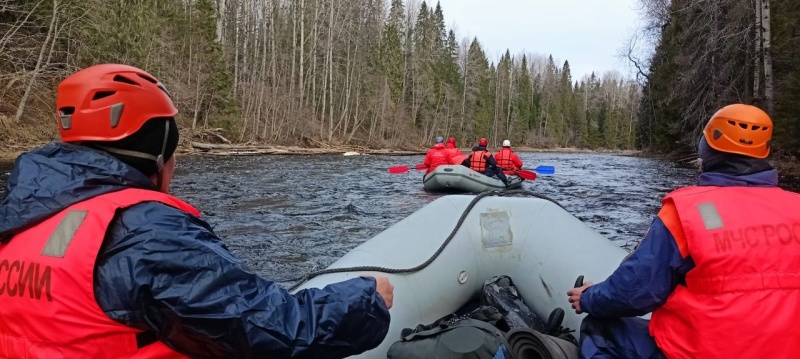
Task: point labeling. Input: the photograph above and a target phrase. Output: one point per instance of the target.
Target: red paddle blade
(398, 169)
(421, 167)
(528, 175)
(458, 159)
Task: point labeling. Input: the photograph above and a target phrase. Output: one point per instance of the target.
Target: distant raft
(458, 178)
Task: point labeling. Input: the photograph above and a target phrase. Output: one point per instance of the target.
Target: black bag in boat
(501, 293)
(504, 327)
(458, 338)
(530, 344)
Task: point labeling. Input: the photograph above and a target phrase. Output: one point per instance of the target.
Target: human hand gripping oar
(403, 169)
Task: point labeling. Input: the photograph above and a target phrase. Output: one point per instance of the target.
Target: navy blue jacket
(164, 270)
(646, 278)
(491, 164)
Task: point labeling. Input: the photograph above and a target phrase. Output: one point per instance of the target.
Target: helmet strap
(159, 160)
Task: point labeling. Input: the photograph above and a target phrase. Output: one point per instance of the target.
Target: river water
(287, 215)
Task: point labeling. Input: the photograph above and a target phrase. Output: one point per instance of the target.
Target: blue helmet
(439, 139)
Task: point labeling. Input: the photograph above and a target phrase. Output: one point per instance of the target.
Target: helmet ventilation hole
(123, 79)
(148, 78)
(102, 94)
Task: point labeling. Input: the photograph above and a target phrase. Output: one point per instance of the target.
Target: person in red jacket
(451, 147)
(437, 156)
(97, 260)
(507, 160)
(719, 268)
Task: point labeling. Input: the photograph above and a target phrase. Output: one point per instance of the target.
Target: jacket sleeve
(643, 281)
(164, 270)
(516, 161)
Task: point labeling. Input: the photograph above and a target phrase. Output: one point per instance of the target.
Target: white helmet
(506, 143)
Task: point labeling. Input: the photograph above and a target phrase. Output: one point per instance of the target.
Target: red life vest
(742, 299)
(477, 161)
(504, 159)
(47, 303)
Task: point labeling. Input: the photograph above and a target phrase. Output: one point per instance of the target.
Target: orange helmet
(109, 102)
(740, 129)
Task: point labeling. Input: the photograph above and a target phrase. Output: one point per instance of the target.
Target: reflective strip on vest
(57, 244)
(740, 300)
(47, 302)
(710, 216)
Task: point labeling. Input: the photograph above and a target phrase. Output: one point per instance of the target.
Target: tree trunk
(765, 37)
(39, 63)
(301, 82)
(510, 96)
(757, 52)
(220, 19)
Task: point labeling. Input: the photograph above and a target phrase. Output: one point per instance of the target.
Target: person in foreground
(719, 267)
(482, 161)
(507, 160)
(437, 156)
(98, 261)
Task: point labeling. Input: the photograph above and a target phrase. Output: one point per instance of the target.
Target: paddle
(545, 170)
(403, 169)
(528, 175)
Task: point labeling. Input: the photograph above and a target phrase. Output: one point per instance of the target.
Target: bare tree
(766, 53)
(40, 63)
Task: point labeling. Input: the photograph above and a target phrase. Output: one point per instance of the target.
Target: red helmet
(109, 102)
(451, 140)
(483, 142)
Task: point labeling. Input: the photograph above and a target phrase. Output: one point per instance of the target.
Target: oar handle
(579, 281)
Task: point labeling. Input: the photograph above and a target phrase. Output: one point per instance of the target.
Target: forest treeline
(712, 53)
(362, 72)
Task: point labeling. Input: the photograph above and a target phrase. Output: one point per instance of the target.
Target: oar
(528, 175)
(545, 170)
(403, 169)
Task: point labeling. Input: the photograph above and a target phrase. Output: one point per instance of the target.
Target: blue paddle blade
(545, 170)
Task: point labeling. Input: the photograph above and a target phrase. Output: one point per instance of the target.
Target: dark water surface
(287, 215)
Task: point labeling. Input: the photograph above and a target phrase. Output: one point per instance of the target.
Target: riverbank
(16, 139)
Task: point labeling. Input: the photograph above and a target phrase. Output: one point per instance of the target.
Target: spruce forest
(390, 74)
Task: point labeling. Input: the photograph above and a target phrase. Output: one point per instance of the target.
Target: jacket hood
(438, 146)
(51, 178)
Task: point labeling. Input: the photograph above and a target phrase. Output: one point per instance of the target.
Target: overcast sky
(588, 33)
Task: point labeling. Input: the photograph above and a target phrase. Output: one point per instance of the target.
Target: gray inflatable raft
(541, 246)
(458, 178)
